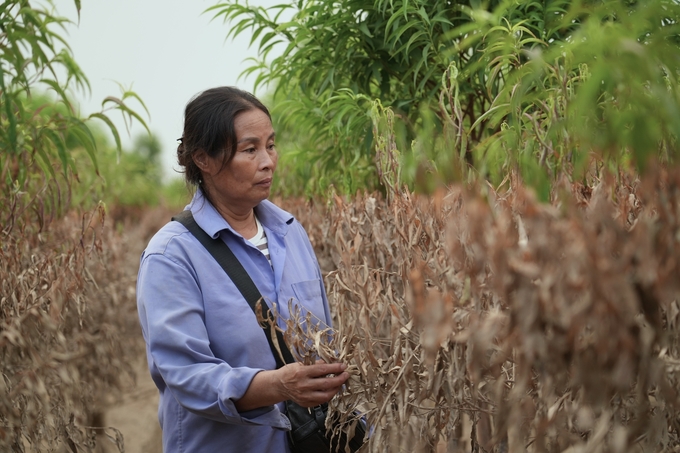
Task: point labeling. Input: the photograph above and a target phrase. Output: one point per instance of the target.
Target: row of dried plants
(69, 334)
(472, 320)
(482, 320)
(67, 320)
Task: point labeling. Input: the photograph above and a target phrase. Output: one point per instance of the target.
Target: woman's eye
(249, 150)
(272, 146)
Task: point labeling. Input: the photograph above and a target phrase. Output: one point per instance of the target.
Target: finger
(315, 398)
(338, 380)
(330, 383)
(324, 369)
(329, 392)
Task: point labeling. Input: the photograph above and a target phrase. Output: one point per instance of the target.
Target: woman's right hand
(307, 385)
(311, 385)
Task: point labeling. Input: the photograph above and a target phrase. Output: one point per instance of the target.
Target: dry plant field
(473, 320)
(70, 339)
(484, 321)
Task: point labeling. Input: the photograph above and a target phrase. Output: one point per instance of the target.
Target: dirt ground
(135, 416)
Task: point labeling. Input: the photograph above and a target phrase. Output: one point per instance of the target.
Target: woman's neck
(240, 216)
(240, 220)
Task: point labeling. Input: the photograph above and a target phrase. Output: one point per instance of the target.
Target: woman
(209, 357)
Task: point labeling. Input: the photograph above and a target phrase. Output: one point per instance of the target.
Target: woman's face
(246, 180)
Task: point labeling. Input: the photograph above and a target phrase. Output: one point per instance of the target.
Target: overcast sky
(166, 50)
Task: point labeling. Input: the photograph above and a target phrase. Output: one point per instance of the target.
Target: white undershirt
(260, 240)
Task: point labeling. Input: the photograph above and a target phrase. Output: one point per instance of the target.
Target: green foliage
(128, 182)
(535, 87)
(318, 152)
(39, 133)
(131, 178)
(609, 91)
(176, 194)
(338, 57)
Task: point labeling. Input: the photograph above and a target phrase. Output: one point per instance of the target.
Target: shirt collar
(212, 222)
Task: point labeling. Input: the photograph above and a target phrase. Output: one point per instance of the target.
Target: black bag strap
(235, 270)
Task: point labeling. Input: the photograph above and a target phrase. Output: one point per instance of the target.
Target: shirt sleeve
(172, 315)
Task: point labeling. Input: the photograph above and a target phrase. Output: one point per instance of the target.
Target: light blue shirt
(204, 344)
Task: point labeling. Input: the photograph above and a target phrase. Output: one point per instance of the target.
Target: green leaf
(62, 153)
(120, 105)
(86, 139)
(46, 163)
(112, 127)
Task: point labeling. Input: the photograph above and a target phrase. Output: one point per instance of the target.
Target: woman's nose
(268, 158)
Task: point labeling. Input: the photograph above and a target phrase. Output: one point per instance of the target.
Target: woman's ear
(201, 159)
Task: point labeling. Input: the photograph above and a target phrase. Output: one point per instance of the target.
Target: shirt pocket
(308, 294)
(308, 291)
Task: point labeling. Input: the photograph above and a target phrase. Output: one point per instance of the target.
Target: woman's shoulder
(172, 237)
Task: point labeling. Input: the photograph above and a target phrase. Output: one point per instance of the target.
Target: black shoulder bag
(308, 426)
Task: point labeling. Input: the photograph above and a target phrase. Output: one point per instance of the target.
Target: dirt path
(136, 416)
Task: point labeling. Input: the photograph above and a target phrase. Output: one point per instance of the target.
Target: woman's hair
(209, 126)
